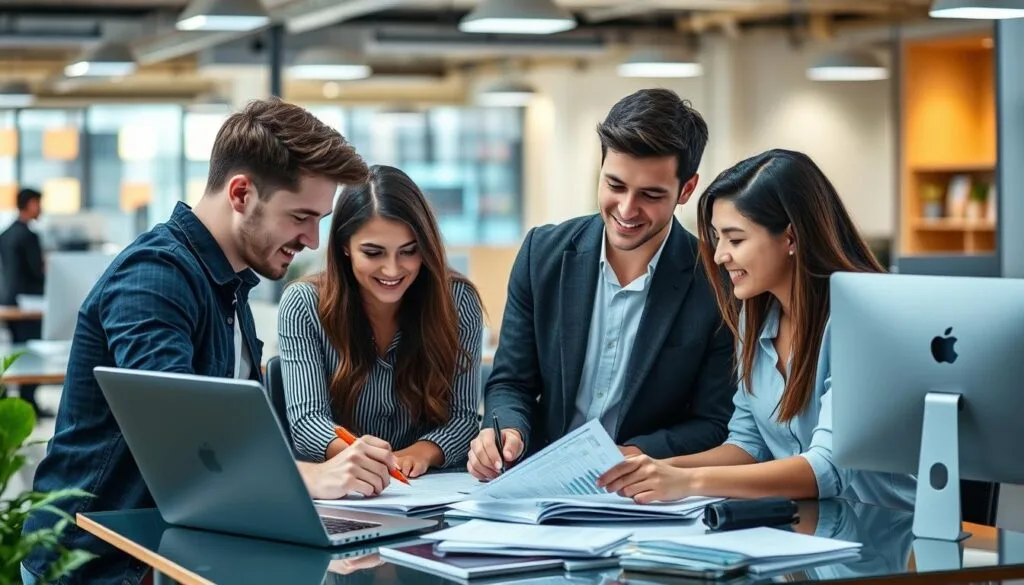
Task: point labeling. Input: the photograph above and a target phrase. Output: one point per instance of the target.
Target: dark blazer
(678, 399)
(22, 259)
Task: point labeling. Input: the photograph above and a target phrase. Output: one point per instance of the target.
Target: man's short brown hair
(275, 143)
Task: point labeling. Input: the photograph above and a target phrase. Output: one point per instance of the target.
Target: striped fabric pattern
(308, 361)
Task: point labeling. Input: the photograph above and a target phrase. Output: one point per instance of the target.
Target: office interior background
(110, 107)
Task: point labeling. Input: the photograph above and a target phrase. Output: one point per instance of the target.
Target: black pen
(497, 440)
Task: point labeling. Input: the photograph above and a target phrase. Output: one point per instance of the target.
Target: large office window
(467, 161)
(201, 129)
(135, 171)
(115, 170)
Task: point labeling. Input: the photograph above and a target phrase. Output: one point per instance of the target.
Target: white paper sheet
(545, 539)
(567, 467)
(425, 493)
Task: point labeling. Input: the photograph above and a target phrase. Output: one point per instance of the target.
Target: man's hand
(647, 480)
(362, 467)
(416, 459)
(484, 461)
(630, 450)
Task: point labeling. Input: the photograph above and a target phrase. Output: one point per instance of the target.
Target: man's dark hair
(275, 143)
(656, 122)
(27, 195)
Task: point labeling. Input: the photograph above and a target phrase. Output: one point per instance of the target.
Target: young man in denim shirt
(176, 300)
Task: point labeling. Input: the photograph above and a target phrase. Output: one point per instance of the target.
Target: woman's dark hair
(430, 353)
(782, 189)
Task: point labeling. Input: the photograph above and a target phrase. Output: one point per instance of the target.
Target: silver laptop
(214, 456)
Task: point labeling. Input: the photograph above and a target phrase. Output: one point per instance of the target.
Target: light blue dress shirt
(613, 328)
(755, 428)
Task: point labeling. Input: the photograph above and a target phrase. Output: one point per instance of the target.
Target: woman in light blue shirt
(773, 229)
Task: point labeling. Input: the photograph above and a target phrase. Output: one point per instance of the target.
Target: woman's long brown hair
(782, 189)
(430, 353)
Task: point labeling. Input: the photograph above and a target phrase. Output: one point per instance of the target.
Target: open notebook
(428, 494)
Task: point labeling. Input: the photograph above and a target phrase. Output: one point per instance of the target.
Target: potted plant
(931, 197)
(17, 419)
(976, 208)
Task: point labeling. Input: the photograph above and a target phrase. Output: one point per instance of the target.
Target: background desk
(34, 367)
(200, 557)
(13, 313)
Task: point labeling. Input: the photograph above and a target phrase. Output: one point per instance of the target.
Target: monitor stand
(937, 513)
(932, 555)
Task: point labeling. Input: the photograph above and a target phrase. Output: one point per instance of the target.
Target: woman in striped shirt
(386, 341)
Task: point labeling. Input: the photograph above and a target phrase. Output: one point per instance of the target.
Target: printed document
(567, 467)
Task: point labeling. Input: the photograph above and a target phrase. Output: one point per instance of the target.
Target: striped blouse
(308, 362)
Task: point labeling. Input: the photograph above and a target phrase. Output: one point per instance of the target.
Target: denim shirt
(755, 427)
(166, 303)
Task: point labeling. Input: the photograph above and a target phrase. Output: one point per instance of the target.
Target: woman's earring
(791, 252)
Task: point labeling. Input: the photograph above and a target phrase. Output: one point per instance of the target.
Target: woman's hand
(416, 459)
(647, 480)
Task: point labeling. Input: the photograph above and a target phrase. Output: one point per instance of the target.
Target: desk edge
(139, 552)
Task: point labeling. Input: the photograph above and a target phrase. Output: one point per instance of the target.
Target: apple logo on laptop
(209, 458)
(943, 349)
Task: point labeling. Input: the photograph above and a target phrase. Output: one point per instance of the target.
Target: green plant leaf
(45, 499)
(66, 563)
(17, 419)
(8, 361)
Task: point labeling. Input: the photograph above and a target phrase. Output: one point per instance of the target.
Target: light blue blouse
(754, 427)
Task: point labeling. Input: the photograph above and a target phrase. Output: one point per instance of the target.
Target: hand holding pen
(348, 438)
(492, 450)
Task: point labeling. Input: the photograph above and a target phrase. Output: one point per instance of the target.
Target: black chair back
(275, 387)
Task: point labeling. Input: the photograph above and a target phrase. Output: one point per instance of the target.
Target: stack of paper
(423, 556)
(425, 495)
(596, 508)
(757, 550)
(492, 538)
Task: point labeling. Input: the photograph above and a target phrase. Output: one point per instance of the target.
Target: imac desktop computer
(927, 375)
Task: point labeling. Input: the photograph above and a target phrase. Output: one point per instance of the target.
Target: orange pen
(349, 438)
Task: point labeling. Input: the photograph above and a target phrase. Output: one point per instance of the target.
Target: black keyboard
(343, 525)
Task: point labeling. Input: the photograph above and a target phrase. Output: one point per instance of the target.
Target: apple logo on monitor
(943, 349)
(209, 458)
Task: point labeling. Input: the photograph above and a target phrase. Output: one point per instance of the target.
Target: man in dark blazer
(611, 316)
(21, 257)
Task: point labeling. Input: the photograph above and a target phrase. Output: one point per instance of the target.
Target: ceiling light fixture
(977, 9)
(659, 64)
(223, 15)
(848, 66)
(328, 64)
(538, 17)
(104, 60)
(16, 94)
(507, 94)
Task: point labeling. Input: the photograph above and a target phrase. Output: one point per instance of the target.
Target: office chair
(275, 387)
(978, 500)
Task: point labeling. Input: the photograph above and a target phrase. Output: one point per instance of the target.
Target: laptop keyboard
(343, 525)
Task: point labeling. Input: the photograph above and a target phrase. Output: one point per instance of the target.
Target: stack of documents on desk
(428, 494)
(560, 483)
(493, 538)
(595, 508)
(756, 550)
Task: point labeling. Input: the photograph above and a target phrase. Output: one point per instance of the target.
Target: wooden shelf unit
(948, 130)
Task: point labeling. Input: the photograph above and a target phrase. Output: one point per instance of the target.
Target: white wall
(754, 95)
(847, 128)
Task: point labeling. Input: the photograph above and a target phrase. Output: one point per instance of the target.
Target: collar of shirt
(390, 354)
(209, 251)
(640, 283)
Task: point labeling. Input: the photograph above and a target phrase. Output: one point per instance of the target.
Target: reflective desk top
(889, 551)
